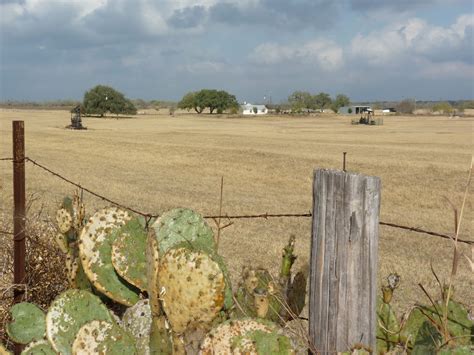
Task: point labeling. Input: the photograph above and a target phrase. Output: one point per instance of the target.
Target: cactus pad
(193, 288)
(61, 241)
(222, 338)
(387, 327)
(95, 249)
(28, 323)
(128, 253)
(64, 220)
(101, 337)
(260, 342)
(68, 313)
(183, 225)
(41, 347)
(137, 320)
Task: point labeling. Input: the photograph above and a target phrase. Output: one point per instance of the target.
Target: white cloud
(325, 53)
(413, 38)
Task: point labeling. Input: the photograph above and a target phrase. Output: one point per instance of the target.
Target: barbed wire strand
(149, 216)
(35, 163)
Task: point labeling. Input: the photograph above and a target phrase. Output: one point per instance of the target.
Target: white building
(249, 109)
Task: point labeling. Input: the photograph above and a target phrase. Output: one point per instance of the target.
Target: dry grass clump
(45, 266)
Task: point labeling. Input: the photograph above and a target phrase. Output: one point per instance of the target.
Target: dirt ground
(155, 162)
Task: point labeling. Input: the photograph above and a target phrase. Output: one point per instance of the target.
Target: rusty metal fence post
(19, 248)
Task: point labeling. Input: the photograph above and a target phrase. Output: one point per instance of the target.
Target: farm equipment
(76, 121)
(367, 117)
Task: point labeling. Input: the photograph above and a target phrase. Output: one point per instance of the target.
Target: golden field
(155, 162)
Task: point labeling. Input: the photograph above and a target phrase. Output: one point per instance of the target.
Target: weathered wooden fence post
(343, 277)
(19, 216)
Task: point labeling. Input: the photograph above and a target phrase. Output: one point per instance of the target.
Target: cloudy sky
(161, 49)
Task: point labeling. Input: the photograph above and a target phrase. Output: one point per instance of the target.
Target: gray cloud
(278, 13)
(187, 17)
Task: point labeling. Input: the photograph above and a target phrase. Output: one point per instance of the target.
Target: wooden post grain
(19, 247)
(343, 276)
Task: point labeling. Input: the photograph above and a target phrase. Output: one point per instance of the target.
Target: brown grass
(157, 162)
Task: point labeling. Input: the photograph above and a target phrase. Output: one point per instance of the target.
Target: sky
(255, 49)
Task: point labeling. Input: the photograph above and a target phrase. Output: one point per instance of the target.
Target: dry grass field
(157, 162)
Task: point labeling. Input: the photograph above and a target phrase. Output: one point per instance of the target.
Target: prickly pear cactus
(95, 250)
(28, 323)
(128, 253)
(152, 268)
(68, 313)
(101, 337)
(227, 336)
(193, 288)
(64, 220)
(260, 342)
(40, 347)
(388, 327)
(160, 336)
(137, 320)
(183, 225)
(417, 330)
(259, 295)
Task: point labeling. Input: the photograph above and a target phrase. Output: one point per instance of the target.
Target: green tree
(322, 101)
(102, 99)
(188, 102)
(300, 100)
(340, 101)
(215, 100)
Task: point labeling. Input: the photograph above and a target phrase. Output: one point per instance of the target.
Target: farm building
(354, 110)
(249, 109)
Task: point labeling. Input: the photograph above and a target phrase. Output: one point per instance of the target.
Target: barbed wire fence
(266, 215)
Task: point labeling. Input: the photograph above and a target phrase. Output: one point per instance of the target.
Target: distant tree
(188, 102)
(215, 100)
(322, 101)
(102, 99)
(340, 101)
(405, 106)
(300, 100)
(444, 107)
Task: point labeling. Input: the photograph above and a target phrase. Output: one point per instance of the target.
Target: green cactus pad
(259, 281)
(137, 320)
(183, 225)
(64, 220)
(128, 253)
(28, 323)
(95, 250)
(68, 313)
(388, 327)
(101, 337)
(41, 347)
(193, 288)
(221, 338)
(261, 342)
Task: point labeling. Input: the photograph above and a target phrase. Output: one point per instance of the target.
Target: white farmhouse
(249, 109)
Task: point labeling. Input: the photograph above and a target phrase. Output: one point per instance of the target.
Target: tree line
(101, 100)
